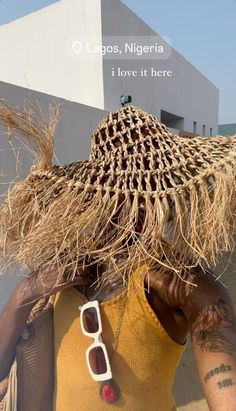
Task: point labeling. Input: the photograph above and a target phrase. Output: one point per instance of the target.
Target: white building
(41, 52)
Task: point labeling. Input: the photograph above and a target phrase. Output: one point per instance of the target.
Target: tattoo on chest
(217, 370)
(212, 328)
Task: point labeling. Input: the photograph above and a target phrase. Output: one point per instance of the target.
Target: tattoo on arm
(217, 370)
(211, 328)
(225, 383)
(228, 382)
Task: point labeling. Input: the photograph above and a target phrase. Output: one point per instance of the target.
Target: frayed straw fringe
(51, 220)
(34, 128)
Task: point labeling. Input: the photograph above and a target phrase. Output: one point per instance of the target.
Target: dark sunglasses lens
(90, 320)
(97, 361)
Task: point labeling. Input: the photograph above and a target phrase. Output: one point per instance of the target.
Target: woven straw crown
(145, 195)
(131, 150)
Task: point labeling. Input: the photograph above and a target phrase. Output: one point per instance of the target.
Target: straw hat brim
(65, 216)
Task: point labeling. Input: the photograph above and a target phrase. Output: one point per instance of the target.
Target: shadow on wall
(7, 284)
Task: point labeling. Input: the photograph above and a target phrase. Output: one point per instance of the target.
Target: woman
(130, 231)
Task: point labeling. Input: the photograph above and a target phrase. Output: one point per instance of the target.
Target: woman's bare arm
(12, 322)
(212, 324)
(16, 312)
(210, 316)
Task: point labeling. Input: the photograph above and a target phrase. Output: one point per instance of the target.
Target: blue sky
(204, 31)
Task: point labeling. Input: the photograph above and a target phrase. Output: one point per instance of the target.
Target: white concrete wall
(36, 52)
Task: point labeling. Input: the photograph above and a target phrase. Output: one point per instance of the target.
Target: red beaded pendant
(109, 391)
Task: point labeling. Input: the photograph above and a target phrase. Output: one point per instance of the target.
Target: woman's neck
(102, 289)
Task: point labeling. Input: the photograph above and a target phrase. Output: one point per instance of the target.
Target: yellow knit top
(143, 365)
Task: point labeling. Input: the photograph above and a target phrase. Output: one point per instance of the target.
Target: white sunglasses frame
(97, 342)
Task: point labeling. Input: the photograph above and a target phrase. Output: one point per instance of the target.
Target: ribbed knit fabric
(143, 365)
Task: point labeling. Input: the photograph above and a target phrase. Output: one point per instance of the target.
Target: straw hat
(144, 196)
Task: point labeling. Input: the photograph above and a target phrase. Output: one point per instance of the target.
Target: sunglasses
(96, 354)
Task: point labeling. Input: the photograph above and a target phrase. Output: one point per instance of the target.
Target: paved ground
(200, 405)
